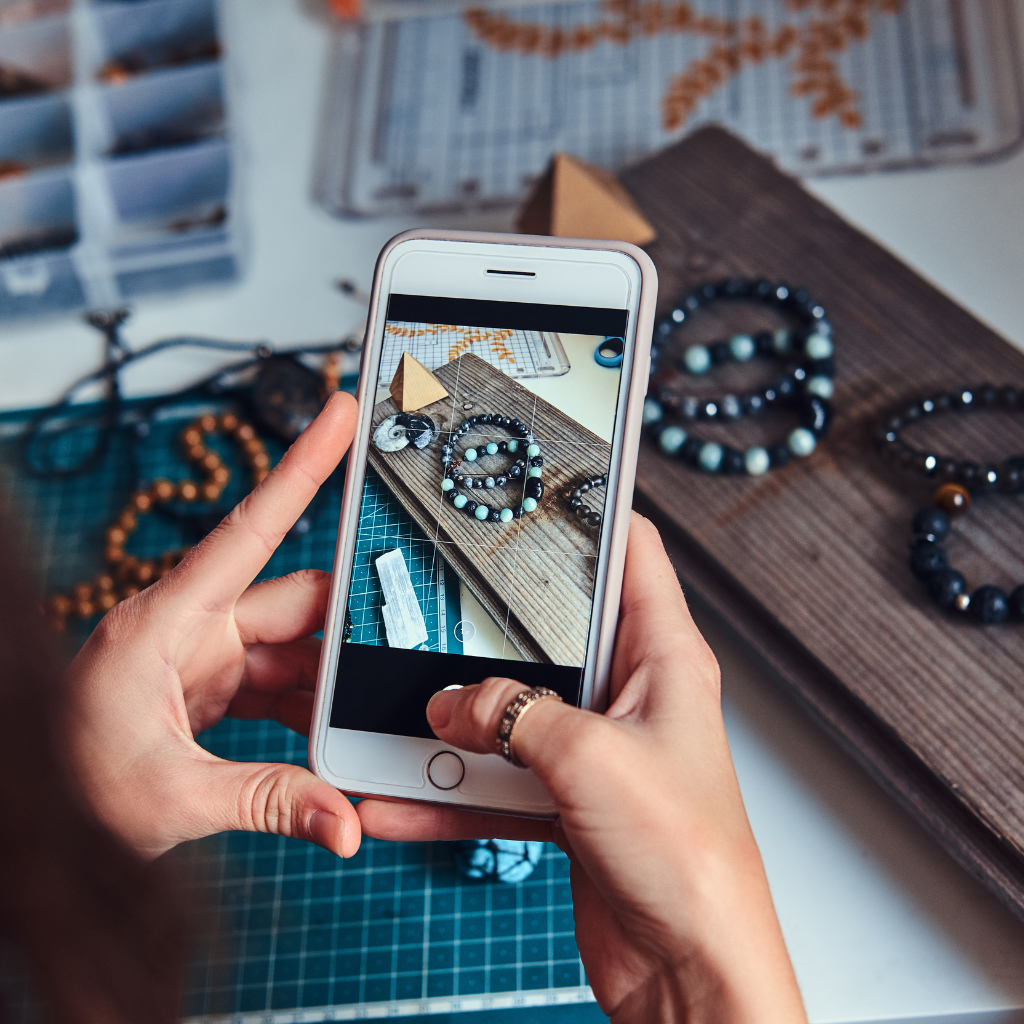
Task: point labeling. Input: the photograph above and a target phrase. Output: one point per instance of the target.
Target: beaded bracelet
(806, 386)
(978, 478)
(529, 467)
(575, 498)
(807, 349)
(948, 589)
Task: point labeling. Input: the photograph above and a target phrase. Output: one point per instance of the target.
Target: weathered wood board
(536, 574)
(809, 564)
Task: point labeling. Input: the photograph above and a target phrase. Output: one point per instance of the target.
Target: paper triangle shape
(414, 386)
(574, 199)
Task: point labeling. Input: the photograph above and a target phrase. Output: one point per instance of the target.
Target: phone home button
(446, 770)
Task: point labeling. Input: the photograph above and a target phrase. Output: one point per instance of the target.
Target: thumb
(280, 798)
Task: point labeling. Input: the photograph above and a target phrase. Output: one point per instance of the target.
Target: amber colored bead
(82, 592)
(210, 461)
(952, 498)
(191, 437)
(211, 491)
(197, 453)
(229, 422)
(142, 501)
(104, 583)
(162, 490)
(188, 491)
(145, 573)
(116, 536)
(107, 601)
(244, 432)
(85, 609)
(261, 461)
(60, 605)
(128, 520)
(207, 423)
(129, 591)
(221, 475)
(253, 446)
(113, 555)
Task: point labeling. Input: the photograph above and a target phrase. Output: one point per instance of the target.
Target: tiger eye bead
(162, 490)
(207, 423)
(952, 498)
(188, 491)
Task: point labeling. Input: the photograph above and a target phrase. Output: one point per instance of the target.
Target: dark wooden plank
(818, 550)
(537, 573)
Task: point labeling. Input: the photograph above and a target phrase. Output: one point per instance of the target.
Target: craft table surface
(880, 923)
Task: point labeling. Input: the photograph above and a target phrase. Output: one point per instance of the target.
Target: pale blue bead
(513, 445)
(529, 504)
(470, 455)
(446, 484)
(742, 347)
(652, 411)
(532, 450)
(820, 386)
(802, 441)
(482, 512)
(672, 439)
(781, 340)
(697, 359)
(710, 457)
(460, 501)
(757, 461)
(817, 346)
(534, 471)
(492, 448)
(506, 515)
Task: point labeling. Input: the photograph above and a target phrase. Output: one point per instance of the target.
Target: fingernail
(327, 830)
(440, 707)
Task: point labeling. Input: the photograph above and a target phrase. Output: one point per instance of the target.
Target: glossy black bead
(576, 501)
(654, 430)
(948, 469)
(964, 399)
(537, 461)
(967, 474)
(494, 516)
(932, 522)
(500, 481)
(534, 488)
(1015, 603)
(765, 343)
(988, 478)
(820, 367)
(470, 507)
(732, 461)
(926, 558)
(945, 586)
(503, 446)
(709, 411)
(484, 419)
(988, 396)
(1009, 479)
(691, 303)
(594, 519)
(785, 387)
(578, 493)
(735, 287)
(720, 352)
(763, 288)
(708, 292)
(779, 455)
(1009, 398)
(989, 605)
(691, 449)
(815, 414)
(465, 425)
(688, 407)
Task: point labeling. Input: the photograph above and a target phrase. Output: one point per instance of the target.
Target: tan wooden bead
(210, 461)
(162, 490)
(261, 461)
(221, 475)
(191, 437)
(211, 491)
(207, 423)
(142, 501)
(253, 446)
(116, 536)
(244, 432)
(228, 422)
(188, 491)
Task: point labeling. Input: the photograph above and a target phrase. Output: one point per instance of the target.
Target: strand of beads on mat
(804, 387)
(456, 476)
(584, 512)
(125, 575)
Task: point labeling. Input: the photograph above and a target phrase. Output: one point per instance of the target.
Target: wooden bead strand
(125, 575)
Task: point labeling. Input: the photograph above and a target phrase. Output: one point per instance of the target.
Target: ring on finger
(510, 718)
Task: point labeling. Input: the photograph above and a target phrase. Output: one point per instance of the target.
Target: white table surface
(880, 923)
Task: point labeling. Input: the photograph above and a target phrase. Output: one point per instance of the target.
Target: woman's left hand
(198, 645)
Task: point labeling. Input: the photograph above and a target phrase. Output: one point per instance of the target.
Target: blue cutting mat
(301, 934)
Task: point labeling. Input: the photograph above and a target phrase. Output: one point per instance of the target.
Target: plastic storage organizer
(116, 170)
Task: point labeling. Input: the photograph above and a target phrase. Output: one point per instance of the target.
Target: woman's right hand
(674, 918)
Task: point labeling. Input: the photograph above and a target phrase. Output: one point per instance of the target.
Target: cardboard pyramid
(414, 386)
(574, 199)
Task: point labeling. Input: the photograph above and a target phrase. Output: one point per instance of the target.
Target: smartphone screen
(482, 508)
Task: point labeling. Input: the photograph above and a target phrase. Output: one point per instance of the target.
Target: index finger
(231, 556)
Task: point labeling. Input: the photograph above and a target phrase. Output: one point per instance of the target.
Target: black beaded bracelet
(528, 468)
(806, 349)
(988, 605)
(575, 498)
(978, 478)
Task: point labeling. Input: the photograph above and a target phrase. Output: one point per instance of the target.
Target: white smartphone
(486, 504)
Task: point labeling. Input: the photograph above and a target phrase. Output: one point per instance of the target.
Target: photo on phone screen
(482, 508)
